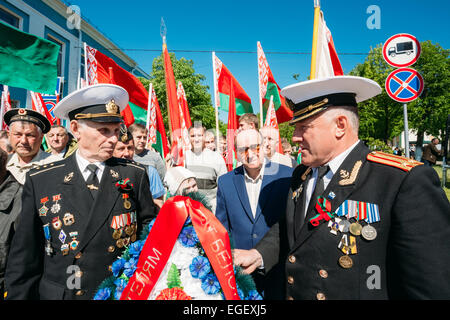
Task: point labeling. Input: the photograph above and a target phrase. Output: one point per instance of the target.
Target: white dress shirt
(83, 163)
(334, 166)
(253, 187)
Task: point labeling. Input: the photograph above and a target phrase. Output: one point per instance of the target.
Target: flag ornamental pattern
(92, 77)
(268, 88)
(182, 105)
(5, 105)
(151, 125)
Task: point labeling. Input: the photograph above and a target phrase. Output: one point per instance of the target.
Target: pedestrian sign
(401, 50)
(404, 85)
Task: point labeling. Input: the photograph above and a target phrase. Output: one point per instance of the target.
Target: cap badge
(112, 107)
(22, 112)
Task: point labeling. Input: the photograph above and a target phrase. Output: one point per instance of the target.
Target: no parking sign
(404, 85)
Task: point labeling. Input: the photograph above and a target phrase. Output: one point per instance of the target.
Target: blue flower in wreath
(120, 285)
(188, 221)
(240, 292)
(136, 248)
(130, 267)
(199, 267)
(150, 225)
(210, 284)
(188, 237)
(103, 294)
(253, 295)
(117, 266)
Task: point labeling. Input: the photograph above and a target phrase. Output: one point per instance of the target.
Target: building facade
(59, 22)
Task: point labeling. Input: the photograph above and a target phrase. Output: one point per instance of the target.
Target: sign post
(404, 84)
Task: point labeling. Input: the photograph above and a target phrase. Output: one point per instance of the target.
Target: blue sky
(280, 26)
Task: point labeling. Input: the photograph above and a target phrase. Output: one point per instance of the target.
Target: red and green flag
(155, 126)
(27, 61)
(226, 85)
(268, 87)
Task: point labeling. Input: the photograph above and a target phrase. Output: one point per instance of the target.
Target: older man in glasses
(251, 197)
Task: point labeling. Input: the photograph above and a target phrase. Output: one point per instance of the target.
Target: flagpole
(149, 107)
(215, 99)
(85, 65)
(79, 60)
(2, 109)
(261, 114)
(315, 38)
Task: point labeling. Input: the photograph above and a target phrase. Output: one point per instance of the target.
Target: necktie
(92, 181)
(300, 215)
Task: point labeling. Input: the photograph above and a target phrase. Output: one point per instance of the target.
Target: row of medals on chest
(351, 229)
(129, 229)
(68, 220)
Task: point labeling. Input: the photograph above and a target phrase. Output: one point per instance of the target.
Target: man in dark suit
(251, 197)
(358, 224)
(79, 213)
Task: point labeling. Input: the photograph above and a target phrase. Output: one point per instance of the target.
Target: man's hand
(249, 260)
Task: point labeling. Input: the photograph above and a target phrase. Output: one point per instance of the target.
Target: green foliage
(378, 145)
(173, 278)
(286, 131)
(382, 118)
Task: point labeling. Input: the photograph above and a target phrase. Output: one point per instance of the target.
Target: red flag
(182, 101)
(127, 114)
(268, 87)
(233, 125)
(5, 106)
(98, 66)
(155, 127)
(271, 121)
(172, 101)
(38, 105)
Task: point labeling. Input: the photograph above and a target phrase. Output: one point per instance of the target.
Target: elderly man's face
(210, 142)
(248, 148)
(187, 186)
(96, 140)
(140, 140)
(124, 150)
(197, 137)
(57, 138)
(270, 144)
(25, 138)
(315, 137)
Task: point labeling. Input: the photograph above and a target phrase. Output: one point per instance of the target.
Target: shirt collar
(83, 163)
(337, 161)
(260, 175)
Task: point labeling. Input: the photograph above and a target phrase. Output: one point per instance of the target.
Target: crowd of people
(86, 197)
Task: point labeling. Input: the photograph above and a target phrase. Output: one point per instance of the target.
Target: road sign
(401, 50)
(404, 84)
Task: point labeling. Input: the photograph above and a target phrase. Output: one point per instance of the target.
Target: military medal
(74, 243)
(116, 234)
(43, 210)
(56, 206)
(345, 262)
(334, 225)
(133, 237)
(368, 232)
(126, 202)
(68, 219)
(119, 243)
(56, 223)
(48, 244)
(65, 249)
(355, 229)
(62, 236)
(344, 225)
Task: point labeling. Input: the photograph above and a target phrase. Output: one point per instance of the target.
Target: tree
(198, 98)
(382, 118)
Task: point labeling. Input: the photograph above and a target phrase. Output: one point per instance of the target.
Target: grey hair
(350, 112)
(28, 123)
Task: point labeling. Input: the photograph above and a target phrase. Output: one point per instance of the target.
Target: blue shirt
(156, 186)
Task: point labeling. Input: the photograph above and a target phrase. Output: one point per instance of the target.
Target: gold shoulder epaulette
(46, 167)
(393, 160)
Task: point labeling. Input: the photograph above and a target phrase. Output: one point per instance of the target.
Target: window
(9, 18)
(60, 54)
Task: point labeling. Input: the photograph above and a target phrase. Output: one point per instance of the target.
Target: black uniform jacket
(408, 259)
(85, 228)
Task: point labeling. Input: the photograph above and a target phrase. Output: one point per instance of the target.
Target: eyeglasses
(254, 148)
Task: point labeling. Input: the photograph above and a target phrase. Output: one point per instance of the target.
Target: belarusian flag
(155, 126)
(268, 87)
(324, 60)
(224, 82)
(5, 106)
(185, 117)
(98, 71)
(271, 121)
(27, 61)
(233, 125)
(38, 105)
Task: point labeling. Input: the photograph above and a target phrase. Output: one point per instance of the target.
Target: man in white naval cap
(358, 224)
(79, 213)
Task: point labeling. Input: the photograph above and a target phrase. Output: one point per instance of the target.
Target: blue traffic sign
(404, 85)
